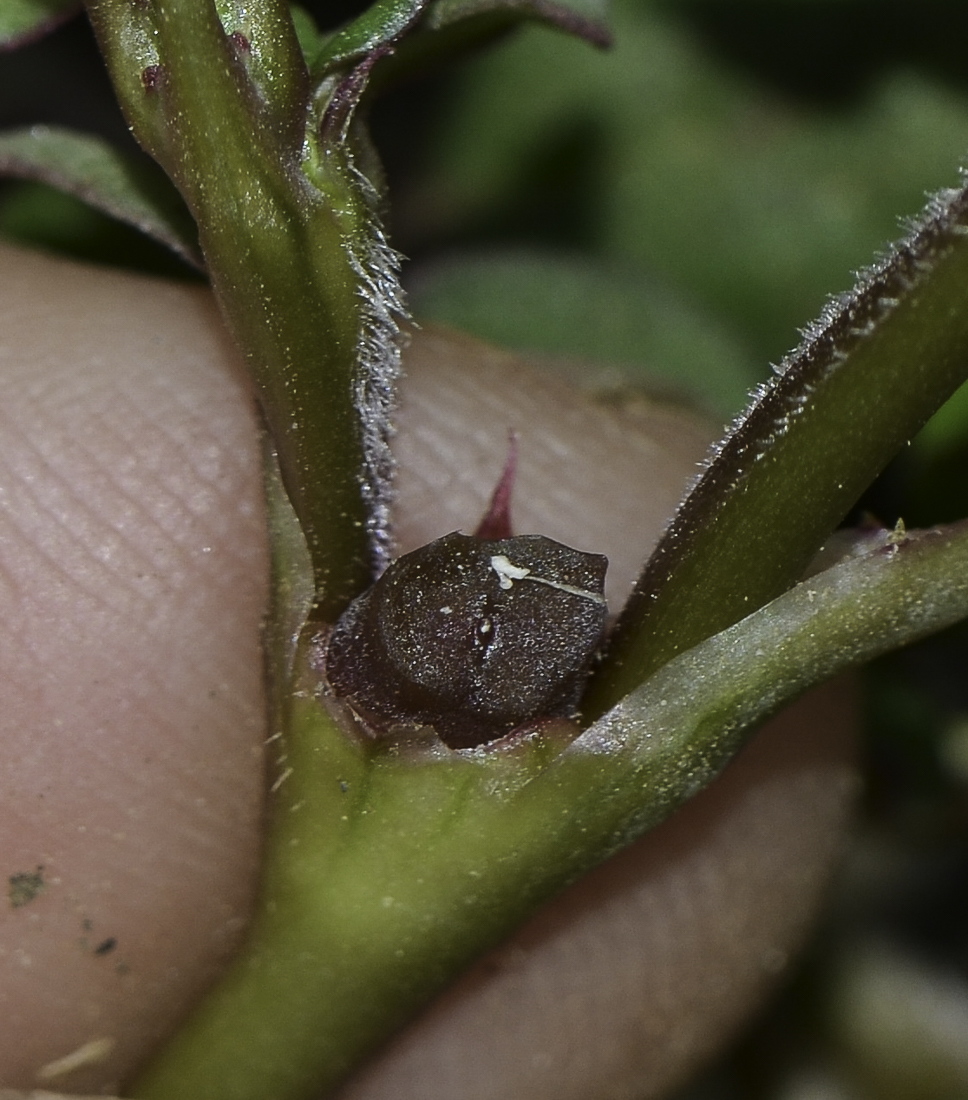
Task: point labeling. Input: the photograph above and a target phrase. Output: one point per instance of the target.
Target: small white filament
(508, 573)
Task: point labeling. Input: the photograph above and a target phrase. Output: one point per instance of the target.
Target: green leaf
(311, 39)
(380, 25)
(868, 375)
(417, 34)
(132, 190)
(583, 18)
(23, 20)
(391, 866)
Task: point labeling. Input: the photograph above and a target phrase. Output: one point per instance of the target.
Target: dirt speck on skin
(24, 886)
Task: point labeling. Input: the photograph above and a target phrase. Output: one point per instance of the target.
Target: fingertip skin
(133, 568)
(132, 587)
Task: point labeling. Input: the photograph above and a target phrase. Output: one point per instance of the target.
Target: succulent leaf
(132, 190)
(21, 21)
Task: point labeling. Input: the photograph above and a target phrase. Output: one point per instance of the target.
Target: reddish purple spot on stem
(496, 523)
(152, 77)
(240, 42)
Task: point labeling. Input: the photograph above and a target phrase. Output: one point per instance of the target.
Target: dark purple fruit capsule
(473, 636)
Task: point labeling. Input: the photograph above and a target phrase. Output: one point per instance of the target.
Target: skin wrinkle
(132, 728)
(175, 489)
(78, 572)
(49, 477)
(144, 806)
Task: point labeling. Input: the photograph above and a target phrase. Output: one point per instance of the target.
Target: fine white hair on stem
(377, 266)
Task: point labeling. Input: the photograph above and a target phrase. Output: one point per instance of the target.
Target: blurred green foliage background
(717, 174)
(676, 208)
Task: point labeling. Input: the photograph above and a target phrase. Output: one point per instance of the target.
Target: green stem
(392, 866)
(867, 377)
(287, 238)
(271, 55)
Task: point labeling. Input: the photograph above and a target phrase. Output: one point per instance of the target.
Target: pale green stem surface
(279, 248)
